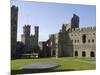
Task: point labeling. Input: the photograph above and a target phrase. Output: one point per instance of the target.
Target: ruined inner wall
(79, 42)
(65, 44)
(52, 44)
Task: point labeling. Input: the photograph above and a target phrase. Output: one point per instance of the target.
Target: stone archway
(83, 53)
(92, 54)
(76, 53)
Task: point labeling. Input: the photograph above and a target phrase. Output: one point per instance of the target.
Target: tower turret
(25, 37)
(75, 21)
(26, 30)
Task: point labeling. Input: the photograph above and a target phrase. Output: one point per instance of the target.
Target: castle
(73, 41)
(68, 42)
(30, 41)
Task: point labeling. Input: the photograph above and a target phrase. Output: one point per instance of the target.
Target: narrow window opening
(84, 38)
(92, 41)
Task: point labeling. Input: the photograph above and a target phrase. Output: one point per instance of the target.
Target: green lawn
(66, 63)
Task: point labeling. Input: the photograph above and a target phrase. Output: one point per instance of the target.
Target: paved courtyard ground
(66, 64)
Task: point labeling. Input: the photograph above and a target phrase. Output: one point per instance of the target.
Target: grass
(66, 63)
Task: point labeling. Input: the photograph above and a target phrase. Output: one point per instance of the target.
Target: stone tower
(75, 21)
(63, 28)
(36, 35)
(25, 37)
(14, 19)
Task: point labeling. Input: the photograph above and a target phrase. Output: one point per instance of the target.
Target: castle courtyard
(65, 64)
(65, 40)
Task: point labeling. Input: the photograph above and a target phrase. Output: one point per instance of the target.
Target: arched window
(88, 41)
(84, 38)
(76, 53)
(83, 53)
(91, 54)
(92, 40)
(93, 33)
(78, 41)
(75, 41)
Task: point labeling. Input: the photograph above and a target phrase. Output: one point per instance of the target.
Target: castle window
(83, 53)
(88, 41)
(75, 41)
(92, 41)
(76, 53)
(84, 38)
(91, 54)
(93, 33)
(78, 41)
(72, 41)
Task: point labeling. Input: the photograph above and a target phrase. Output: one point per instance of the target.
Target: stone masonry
(14, 19)
(74, 41)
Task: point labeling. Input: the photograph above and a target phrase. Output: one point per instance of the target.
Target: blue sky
(50, 16)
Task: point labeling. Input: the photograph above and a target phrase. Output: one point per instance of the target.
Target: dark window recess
(88, 41)
(93, 33)
(78, 41)
(92, 41)
(83, 53)
(92, 54)
(84, 38)
(75, 41)
(76, 53)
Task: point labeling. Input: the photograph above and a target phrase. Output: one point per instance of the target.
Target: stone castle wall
(78, 42)
(83, 40)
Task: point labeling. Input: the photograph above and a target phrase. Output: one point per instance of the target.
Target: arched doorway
(92, 54)
(76, 53)
(83, 53)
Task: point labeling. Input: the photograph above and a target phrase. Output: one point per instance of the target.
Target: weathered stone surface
(14, 19)
(74, 41)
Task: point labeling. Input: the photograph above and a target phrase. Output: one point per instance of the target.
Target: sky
(50, 16)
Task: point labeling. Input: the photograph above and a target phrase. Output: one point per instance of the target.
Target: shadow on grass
(13, 72)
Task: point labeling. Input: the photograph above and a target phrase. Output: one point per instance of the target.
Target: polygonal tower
(25, 37)
(14, 19)
(75, 21)
(36, 34)
(26, 30)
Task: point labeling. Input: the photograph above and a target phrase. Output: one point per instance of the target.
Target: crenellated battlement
(82, 29)
(27, 26)
(26, 29)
